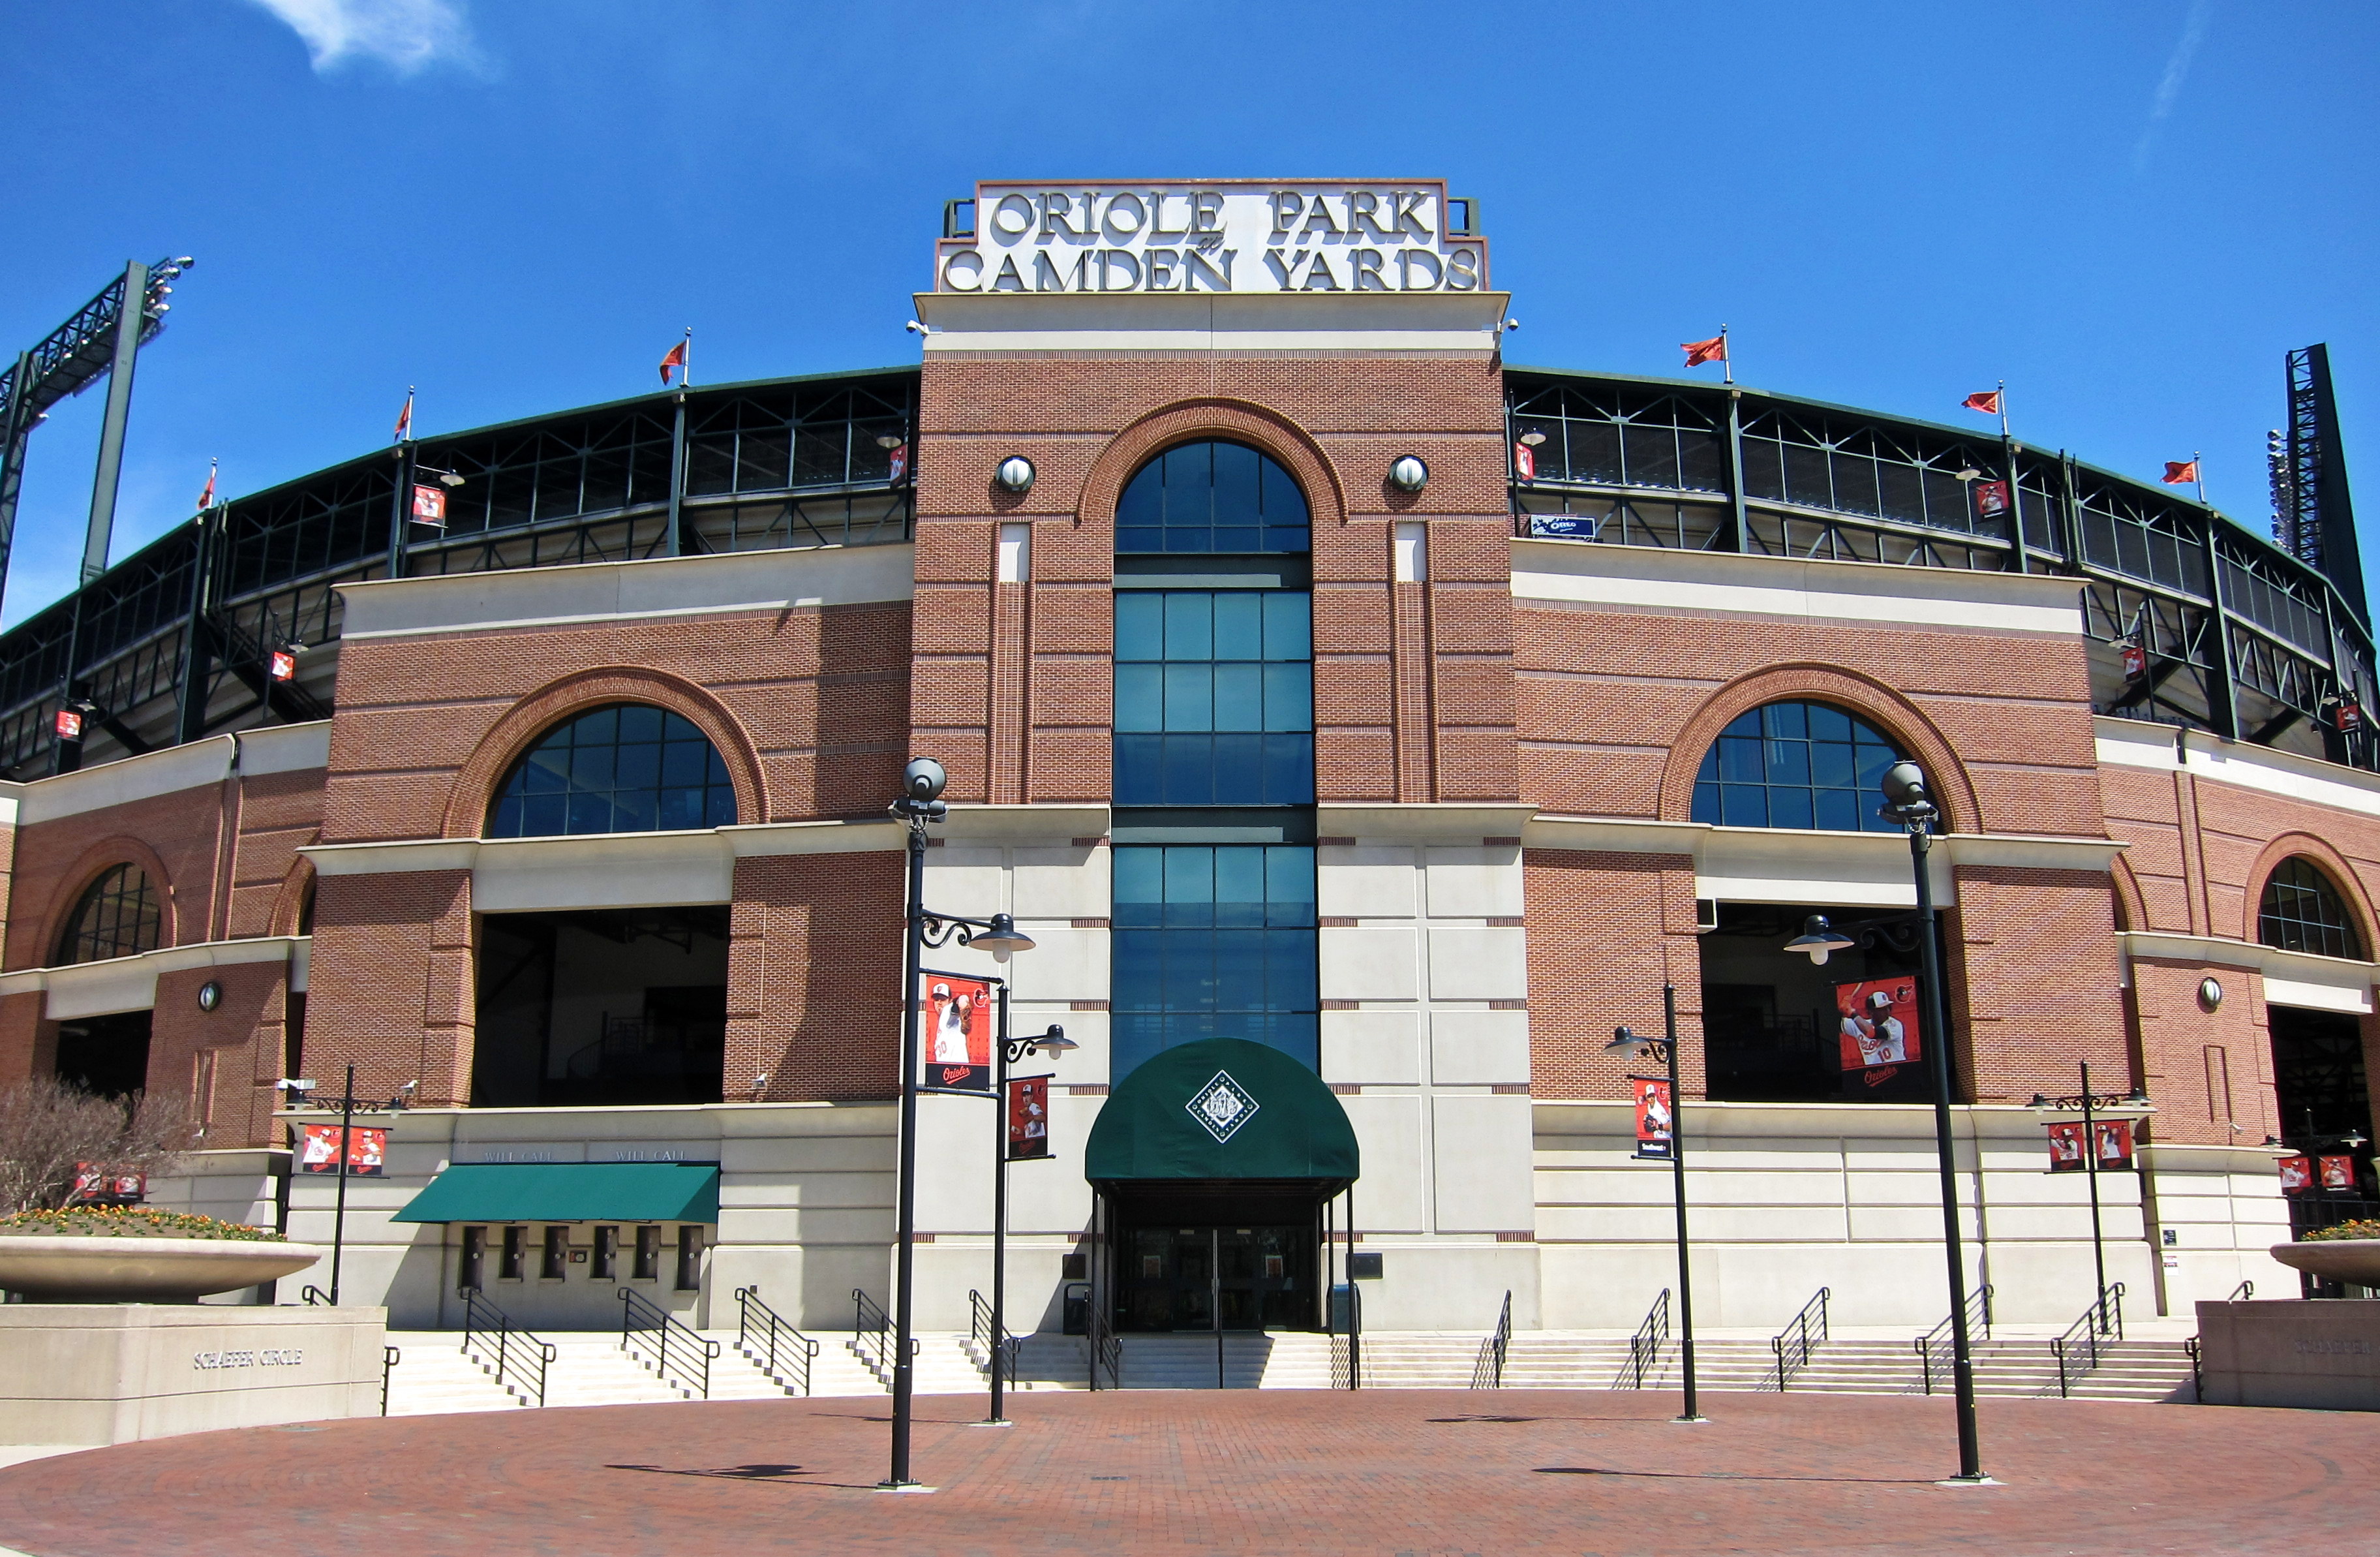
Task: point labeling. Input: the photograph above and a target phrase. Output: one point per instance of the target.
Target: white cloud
(409, 36)
(2176, 69)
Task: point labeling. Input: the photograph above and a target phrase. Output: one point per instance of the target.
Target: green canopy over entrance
(569, 1192)
(1223, 1108)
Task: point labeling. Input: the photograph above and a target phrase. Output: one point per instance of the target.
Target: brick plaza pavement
(1276, 1471)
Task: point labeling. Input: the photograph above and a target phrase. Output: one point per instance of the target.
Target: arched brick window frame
(1191, 420)
(474, 785)
(2333, 864)
(2131, 903)
(1892, 714)
(289, 904)
(89, 866)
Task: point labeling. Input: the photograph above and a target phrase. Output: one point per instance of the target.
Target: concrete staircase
(2007, 1365)
(434, 1377)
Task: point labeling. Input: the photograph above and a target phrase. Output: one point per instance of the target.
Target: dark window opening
(1795, 764)
(1212, 497)
(612, 1006)
(690, 1258)
(554, 1259)
(627, 768)
(117, 916)
(648, 1253)
(293, 1034)
(475, 1255)
(2302, 911)
(2324, 1095)
(510, 1265)
(1772, 1026)
(107, 1056)
(607, 1253)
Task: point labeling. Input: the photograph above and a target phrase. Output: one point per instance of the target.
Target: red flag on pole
(676, 359)
(1699, 352)
(207, 498)
(2180, 472)
(1985, 400)
(405, 417)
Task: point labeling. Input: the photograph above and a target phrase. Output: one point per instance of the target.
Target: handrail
(673, 1348)
(313, 1294)
(1489, 1372)
(2241, 1293)
(870, 1324)
(1645, 1346)
(1106, 1347)
(979, 1331)
(519, 1353)
(389, 1357)
(2104, 1317)
(797, 1355)
(1794, 1343)
(1347, 1350)
(2196, 1351)
(1979, 1316)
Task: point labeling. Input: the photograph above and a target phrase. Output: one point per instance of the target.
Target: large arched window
(1214, 497)
(116, 917)
(1795, 764)
(625, 768)
(2302, 911)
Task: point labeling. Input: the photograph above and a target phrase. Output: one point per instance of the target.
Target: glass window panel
(1831, 765)
(1189, 697)
(1289, 626)
(1828, 723)
(589, 812)
(1140, 697)
(1189, 873)
(1212, 497)
(1743, 805)
(1239, 624)
(1784, 719)
(624, 768)
(1139, 770)
(1788, 761)
(1143, 503)
(1189, 626)
(1706, 803)
(640, 724)
(1289, 697)
(1140, 625)
(590, 767)
(1740, 760)
(1838, 811)
(638, 766)
(682, 763)
(1790, 808)
(1787, 780)
(1140, 875)
(1189, 771)
(1237, 500)
(1289, 770)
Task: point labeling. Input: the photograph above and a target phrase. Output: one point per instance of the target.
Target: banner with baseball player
(1028, 1118)
(2066, 1147)
(2297, 1175)
(2338, 1172)
(955, 1017)
(318, 1151)
(2115, 1143)
(1656, 1118)
(1878, 1025)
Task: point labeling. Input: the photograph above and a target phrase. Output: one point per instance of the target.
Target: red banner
(2338, 1172)
(430, 507)
(1655, 1119)
(2114, 1143)
(2066, 1147)
(1878, 1023)
(1028, 1117)
(1525, 462)
(1991, 499)
(97, 1187)
(2297, 1175)
(955, 1019)
(318, 1151)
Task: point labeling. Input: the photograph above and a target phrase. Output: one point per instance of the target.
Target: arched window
(2303, 912)
(116, 917)
(1795, 764)
(625, 768)
(1215, 497)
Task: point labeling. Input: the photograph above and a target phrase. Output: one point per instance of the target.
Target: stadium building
(1362, 727)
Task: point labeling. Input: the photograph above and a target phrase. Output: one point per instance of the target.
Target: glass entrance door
(1181, 1278)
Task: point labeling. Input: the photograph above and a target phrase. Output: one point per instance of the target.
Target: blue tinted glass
(1740, 760)
(1239, 625)
(1212, 497)
(1289, 626)
(1139, 877)
(1189, 873)
(1189, 772)
(1140, 697)
(1830, 723)
(1237, 501)
(1831, 766)
(1289, 697)
(1140, 625)
(1743, 805)
(625, 768)
(1239, 778)
(1240, 702)
(1839, 810)
(1790, 808)
(1139, 962)
(1189, 626)
(1139, 770)
(1706, 803)
(1789, 762)
(1818, 766)
(1289, 771)
(1189, 697)
(1873, 762)
(1143, 502)
(1284, 503)
(1784, 719)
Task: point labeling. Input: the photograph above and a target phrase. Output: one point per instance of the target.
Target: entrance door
(1178, 1277)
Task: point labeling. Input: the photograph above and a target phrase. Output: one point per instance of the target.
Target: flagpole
(2002, 396)
(1726, 359)
(686, 368)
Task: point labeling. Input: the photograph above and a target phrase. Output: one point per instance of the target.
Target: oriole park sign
(1223, 235)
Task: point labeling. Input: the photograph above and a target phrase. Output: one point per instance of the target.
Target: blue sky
(2127, 211)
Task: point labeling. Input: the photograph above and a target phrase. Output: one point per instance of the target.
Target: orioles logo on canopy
(1221, 1107)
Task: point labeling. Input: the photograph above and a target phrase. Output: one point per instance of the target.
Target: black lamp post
(2091, 1106)
(921, 802)
(1906, 802)
(1666, 1050)
(1011, 1050)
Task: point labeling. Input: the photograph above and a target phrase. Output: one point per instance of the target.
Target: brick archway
(89, 866)
(2343, 879)
(1185, 422)
(1872, 700)
(289, 904)
(474, 784)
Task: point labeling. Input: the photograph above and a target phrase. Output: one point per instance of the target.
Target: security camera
(289, 1084)
(923, 779)
(1511, 325)
(914, 328)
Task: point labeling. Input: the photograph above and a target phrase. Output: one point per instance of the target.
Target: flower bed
(2343, 1232)
(128, 1221)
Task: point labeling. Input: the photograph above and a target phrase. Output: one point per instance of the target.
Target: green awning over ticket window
(1223, 1108)
(569, 1192)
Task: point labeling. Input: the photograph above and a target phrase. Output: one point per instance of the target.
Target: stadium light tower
(99, 341)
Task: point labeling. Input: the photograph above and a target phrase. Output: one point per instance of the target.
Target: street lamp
(921, 801)
(1011, 1050)
(1664, 1049)
(2091, 1105)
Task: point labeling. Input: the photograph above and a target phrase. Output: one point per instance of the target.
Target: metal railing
(313, 1294)
(519, 1354)
(1487, 1373)
(2195, 1352)
(1794, 1343)
(1645, 1346)
(2241, 1293)
(761, 1332)
(674, 1350)
(389, 1357)
(998, 1348)
(2078, 1349)
(1934, 1346)
(1347, 1349)
(871, 1334)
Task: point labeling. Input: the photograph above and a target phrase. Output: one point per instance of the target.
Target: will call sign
(1251, 236)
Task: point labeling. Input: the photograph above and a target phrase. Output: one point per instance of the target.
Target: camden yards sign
(1220, 236)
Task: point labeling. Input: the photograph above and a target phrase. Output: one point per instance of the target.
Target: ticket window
(475, 1257)
(607, 1254)
(648, 1253)
(513, 1262)
(553, 1260)
(690, 1258)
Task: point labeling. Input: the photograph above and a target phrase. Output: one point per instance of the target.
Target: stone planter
(2341, 1259)
(118, 1269)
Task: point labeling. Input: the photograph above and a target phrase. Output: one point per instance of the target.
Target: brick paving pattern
(1411, 1472)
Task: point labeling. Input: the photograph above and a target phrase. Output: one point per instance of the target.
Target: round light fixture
(210, 995)
(1015, 474)
(1407, 473)
(2210, 993)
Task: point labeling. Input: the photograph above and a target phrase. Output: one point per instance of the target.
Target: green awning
(1222, 1108)
(569, 1192)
